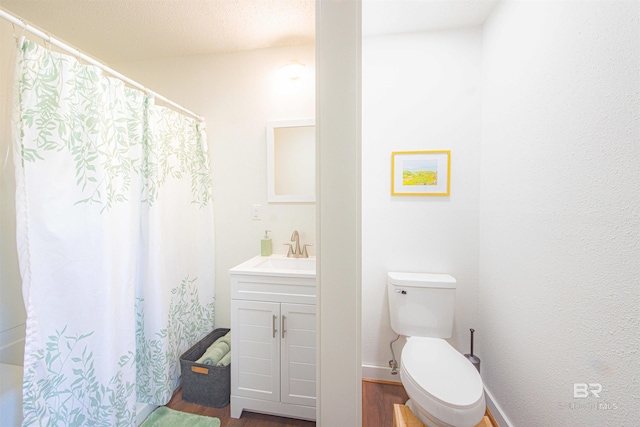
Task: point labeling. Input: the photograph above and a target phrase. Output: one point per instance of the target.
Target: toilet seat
(441, 382)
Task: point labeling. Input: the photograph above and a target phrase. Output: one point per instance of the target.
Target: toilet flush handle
(401, 291)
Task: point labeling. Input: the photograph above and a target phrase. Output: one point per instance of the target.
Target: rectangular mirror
(291, 161)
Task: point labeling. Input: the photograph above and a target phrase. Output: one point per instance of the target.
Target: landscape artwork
(420, 172)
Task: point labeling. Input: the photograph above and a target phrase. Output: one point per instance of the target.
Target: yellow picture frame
(421, 173)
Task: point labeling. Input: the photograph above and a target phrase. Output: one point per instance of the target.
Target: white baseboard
(496, 410)
(142, 411)
(12, 346)
(380, 373)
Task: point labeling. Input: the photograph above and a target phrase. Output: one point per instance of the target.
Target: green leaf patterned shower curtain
(115, 242)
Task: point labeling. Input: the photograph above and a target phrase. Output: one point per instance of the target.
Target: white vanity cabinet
(273, 341)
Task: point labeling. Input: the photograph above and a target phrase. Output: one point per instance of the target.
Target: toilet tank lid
(422, 280)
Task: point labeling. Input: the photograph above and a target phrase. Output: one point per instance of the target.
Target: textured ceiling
(129, 30)
(413, 16)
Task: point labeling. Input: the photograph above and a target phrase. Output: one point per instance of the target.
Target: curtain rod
(65, 47)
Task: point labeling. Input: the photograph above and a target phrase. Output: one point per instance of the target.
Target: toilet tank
(422, 304)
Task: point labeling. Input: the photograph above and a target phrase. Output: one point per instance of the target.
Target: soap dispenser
(265, 244)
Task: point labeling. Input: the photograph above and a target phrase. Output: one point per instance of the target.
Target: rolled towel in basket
(211, 357)
(226, 338)
(226, 359)
(214, 353)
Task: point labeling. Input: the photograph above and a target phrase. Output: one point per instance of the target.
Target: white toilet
(444, 388)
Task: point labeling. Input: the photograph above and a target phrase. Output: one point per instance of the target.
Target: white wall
(560, 211)
(12, 313)
(420, 92)
(237, 93)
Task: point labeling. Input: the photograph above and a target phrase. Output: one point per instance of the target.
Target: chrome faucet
(297, 252)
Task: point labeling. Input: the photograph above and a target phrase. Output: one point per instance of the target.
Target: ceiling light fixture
(292, 70)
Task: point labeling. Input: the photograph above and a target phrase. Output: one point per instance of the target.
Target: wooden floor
(377, 409)
(377, 403)
(224, 414)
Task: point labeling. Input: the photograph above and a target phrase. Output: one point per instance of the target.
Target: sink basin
(277, 265)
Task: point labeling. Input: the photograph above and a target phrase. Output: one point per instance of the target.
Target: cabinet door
(298, 334)
(255, 349)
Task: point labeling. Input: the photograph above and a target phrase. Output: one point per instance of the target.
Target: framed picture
(420, 173)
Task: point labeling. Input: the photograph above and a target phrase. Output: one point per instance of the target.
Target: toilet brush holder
(475, 361)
